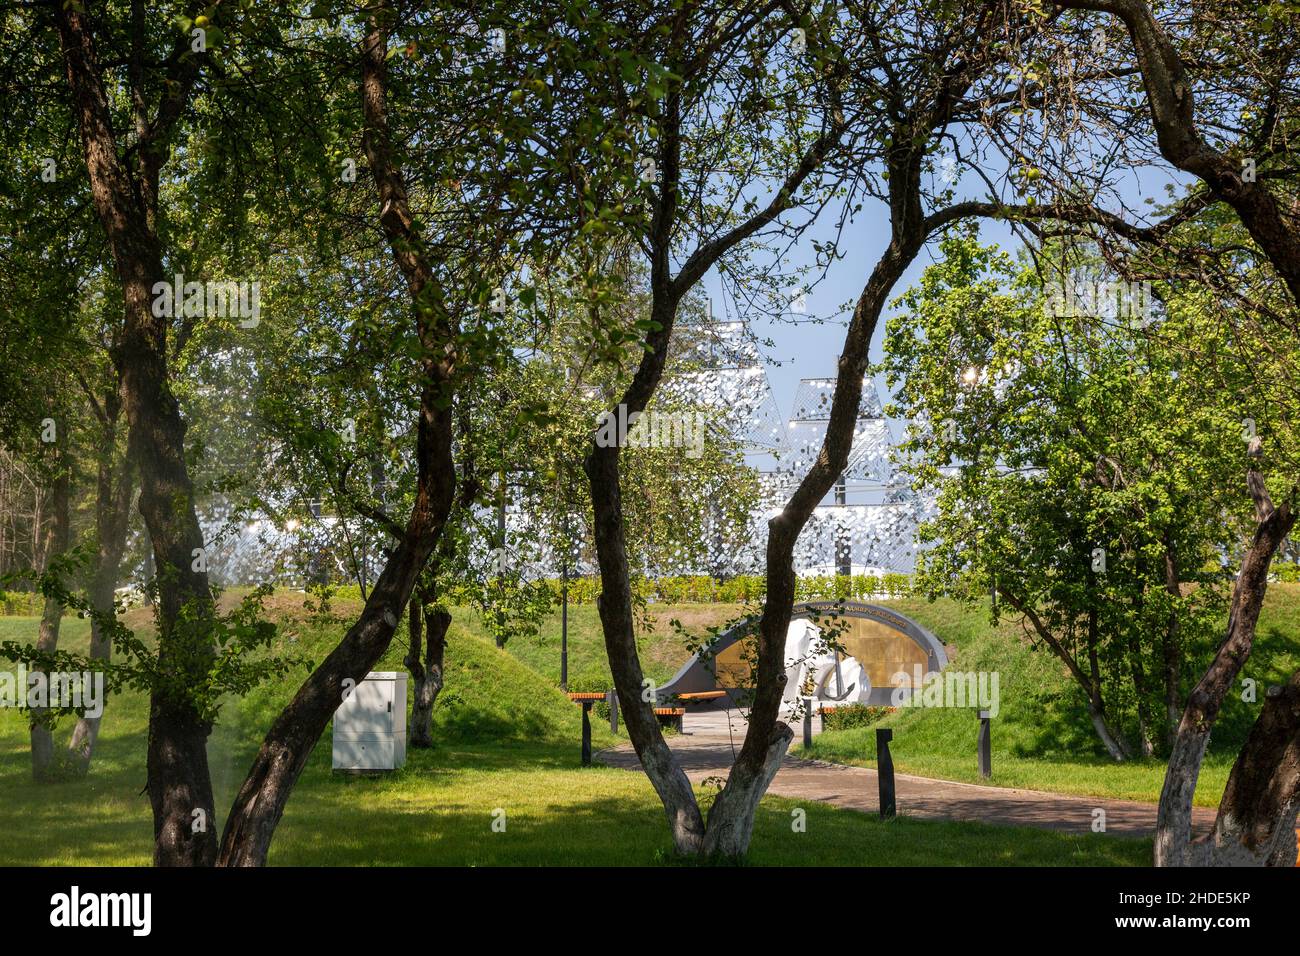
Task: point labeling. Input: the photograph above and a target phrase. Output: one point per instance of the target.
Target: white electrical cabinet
(370, 726)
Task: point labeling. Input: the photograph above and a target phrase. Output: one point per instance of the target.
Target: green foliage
(1078, 461)
(852, 715)
(741, 588)
(25, 603)
(223, 654)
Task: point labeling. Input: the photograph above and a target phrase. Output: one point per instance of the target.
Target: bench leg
(586, 733)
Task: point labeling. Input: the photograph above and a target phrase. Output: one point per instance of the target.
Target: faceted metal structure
(846, 537)
(726, 374)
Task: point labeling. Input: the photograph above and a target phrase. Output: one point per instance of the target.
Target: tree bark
(427, 623)
(685, 821)
(1256, 822)
(1173, 842)
(615, 608)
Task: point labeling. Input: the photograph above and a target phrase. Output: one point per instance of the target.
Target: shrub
(25, 603)
(593, 680)
(742, 588)
(852, 715)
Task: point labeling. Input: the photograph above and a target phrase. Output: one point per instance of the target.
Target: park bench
(701, 695)
(671, 716)
(587, 699)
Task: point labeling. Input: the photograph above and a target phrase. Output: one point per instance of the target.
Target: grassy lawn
(1042, 737)
(508, 740)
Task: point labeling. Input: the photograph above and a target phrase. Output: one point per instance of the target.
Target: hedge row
(742, 589)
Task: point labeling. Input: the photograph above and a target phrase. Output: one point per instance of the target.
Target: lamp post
(565, 549)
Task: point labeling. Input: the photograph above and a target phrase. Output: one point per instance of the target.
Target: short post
(807, 723)
(985, 746)
(586, 732)
(885, 774)
(612, 700)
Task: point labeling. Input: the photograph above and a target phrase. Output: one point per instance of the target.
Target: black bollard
(985, 746)
(586, 732)
(612, 699)
(807, 723)
(885, 774)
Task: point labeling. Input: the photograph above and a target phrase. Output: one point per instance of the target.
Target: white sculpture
(810, 662)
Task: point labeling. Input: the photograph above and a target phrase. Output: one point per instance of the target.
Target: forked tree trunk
(1256, 822)
(1173, 842)
(730, 824)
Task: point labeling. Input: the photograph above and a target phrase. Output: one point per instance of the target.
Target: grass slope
(1042, 738)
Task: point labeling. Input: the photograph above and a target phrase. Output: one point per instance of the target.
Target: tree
(1261, 45)
(1071, 451)
(726, 60)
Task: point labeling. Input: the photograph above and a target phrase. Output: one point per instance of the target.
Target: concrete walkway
(706, 750)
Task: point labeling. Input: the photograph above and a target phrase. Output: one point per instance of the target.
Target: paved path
(706, 751)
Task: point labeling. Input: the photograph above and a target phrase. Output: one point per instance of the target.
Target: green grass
(1042, 738)
(507, 739)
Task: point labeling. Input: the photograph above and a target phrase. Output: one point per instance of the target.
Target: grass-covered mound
(1042, 737)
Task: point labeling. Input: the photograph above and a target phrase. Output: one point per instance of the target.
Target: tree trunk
(759, 758)
(1109, 739)
(47, 640)
(615, 607)
(1089, 683)
(180, 790)
(1256, 822)
(1146, 736)
(115, 487)
(426, 673)
(1174, 820)
(260, 804)
(731, 818)
(1114, 743)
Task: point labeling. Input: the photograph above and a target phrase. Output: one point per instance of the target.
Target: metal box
(370, 726)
